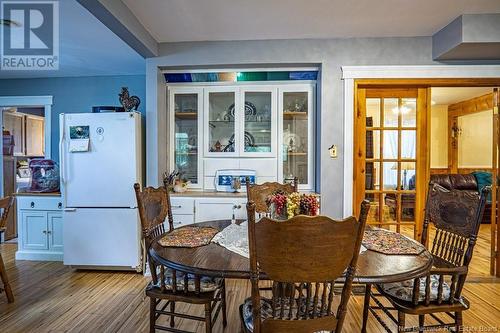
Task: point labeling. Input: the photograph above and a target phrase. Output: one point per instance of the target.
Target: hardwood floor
(50, 297)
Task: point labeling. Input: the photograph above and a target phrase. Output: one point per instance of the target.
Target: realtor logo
(29, 35)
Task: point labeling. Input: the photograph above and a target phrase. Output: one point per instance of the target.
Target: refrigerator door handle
(70, 209)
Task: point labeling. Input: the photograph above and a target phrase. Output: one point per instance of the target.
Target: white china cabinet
(264, 127)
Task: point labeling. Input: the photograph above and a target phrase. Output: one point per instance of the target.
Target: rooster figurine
(128, 102)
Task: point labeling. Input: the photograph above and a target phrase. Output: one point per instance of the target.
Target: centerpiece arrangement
(283, 206)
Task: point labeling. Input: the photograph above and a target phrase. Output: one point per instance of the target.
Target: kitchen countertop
(211, 194)
(35, 194)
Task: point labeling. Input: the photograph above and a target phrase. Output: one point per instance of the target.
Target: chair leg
(5, 281)
(401, 322)
(208, 318)
(223, 300)
(421, 323)
(366, 307)
(172, 317)
(152, 314)
(458, 321)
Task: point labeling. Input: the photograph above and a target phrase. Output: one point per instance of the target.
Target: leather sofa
(465, 182)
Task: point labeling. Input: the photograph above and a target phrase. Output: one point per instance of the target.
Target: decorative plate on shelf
(249, 139)
(250, 109)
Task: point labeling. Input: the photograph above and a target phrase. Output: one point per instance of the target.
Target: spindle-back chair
(5, 204)
(455, 216)
(301, 256)
(258, 194)
(169, 286)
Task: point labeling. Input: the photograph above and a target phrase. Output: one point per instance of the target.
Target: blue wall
(76, 94)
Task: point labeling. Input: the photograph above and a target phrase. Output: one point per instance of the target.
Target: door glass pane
(390, 208)
(390, 175)
(258, 122)
(408, 175)
(373, 144)
(373, 213)
(295, 136)
(409, 112)
(373, 112)
(372, 174)
(221, 122)
(186, 136)
(408, 143)
(391, 144)
(391, 112)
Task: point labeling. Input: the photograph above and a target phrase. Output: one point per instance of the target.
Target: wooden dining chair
(169, 286)
(259, 193)
(456, 216)
(303, 256)
(5, 204)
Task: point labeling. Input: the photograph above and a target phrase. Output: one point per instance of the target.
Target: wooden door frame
(416, 76)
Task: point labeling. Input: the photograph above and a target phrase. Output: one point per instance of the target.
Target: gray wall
(75, 94)
(331, 54)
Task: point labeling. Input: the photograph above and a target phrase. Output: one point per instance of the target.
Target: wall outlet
(333, 151)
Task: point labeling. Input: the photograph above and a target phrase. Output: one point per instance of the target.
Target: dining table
(214, 260)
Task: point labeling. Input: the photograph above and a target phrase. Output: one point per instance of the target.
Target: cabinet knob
(32, 204)
(49, 232)
(59, 205)
(236, 206)
(45, 231)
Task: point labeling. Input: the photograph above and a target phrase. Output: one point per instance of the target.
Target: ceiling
(87, 48)
(198, 20)
(446, 96)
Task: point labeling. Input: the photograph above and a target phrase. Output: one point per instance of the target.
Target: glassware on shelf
(186, 138)
(295, 135)
(258, 121)
(221, 122)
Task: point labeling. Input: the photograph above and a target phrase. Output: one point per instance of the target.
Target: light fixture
(455, 131)
(403, 110)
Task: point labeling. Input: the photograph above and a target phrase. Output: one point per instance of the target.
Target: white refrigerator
(101, 159)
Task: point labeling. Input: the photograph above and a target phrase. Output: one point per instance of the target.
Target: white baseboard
(39, 256)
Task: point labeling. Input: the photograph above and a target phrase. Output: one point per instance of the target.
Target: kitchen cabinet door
(186, 114)
(258, 120)
(35, 136)
(222, 125)
(55, 231)
(35, 230)
(296, 128)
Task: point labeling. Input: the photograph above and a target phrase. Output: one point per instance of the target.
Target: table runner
(235, 239)
(188, 237)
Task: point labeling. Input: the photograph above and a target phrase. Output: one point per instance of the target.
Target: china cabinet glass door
(186, 107)
(296, 134)
(222, 107)
(259, 121)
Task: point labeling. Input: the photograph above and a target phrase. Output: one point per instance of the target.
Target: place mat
(388, 242)
(188, 237)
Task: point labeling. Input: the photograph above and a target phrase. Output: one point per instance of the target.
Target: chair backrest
(154, 207)
(5, 204)
(259, 193)
(456, 215)
(303, 256)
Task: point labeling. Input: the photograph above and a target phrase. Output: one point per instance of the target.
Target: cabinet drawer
(182, 220)
(220, 209)
(184, 206)
(39, 203)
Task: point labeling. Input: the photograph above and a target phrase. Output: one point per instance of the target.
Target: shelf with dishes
(295, 115)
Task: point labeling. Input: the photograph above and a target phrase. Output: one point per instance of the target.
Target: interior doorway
(26, 131)
(455, 158)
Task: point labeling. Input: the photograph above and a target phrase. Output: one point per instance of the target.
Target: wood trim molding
(473, 105)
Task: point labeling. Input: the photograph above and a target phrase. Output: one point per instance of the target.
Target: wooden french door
(495, 222)
(391, 155)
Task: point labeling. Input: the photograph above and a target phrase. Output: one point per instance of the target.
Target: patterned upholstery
(207, 284)
(266, 310)
(404, 290)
